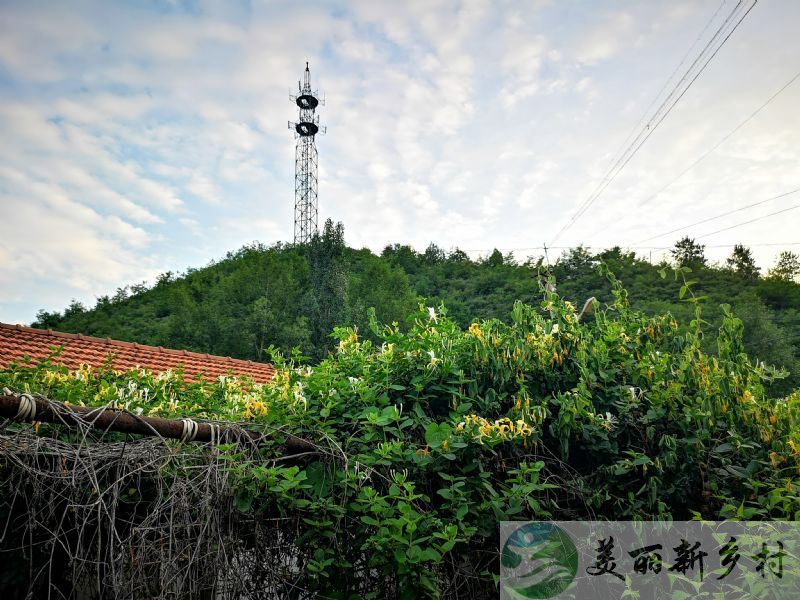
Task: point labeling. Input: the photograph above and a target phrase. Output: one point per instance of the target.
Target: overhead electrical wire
(756, 245)
(632, 148)
(715, 217)
(664, 109)
(722, 141)
(650, 128)
(777, 212)
(646, 112)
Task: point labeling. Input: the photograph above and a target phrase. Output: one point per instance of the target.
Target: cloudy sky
(142, 137)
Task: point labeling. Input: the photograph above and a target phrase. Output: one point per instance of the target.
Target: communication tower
(305, 160)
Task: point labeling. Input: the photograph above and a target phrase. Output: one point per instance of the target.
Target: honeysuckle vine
(440, 432)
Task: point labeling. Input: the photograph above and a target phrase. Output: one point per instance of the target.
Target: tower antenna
(306, 195)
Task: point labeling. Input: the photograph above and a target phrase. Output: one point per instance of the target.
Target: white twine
(216, 434)
(190, 429)
(27, 408)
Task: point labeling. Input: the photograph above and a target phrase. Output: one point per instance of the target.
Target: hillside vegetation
(292, 297)
(427, 438)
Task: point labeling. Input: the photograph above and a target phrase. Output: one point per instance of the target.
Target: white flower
(432, 314)
(434, 360)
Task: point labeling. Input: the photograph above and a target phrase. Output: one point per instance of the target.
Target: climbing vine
(431, 436)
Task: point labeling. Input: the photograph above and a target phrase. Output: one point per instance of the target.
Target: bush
(438, 433)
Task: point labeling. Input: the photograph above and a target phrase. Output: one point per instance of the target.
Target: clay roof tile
(17, 341)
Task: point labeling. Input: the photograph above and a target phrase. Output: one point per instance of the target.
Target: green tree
(575, 263)
(329, 275)
(741, 261)
(47, 320)
(75, 308)
(495, 259)
(382, 287)
(403, 255)
(457, 255)
(688, 253)
(434, 254)
(765, 339)
(787, 267)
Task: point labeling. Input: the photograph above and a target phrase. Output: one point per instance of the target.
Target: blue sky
(145, 137)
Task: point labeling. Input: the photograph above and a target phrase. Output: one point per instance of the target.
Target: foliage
(741, 261)
(329, 277)
(444, 431)
(688, 253)
(787, 267)
(263, 296)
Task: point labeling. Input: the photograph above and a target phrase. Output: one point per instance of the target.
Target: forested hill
(294, 296)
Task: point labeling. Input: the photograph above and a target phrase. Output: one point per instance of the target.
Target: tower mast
(305, 161)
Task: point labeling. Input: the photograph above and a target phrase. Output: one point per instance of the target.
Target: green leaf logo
(539, 560)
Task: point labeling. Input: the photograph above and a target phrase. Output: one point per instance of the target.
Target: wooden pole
(123, 421)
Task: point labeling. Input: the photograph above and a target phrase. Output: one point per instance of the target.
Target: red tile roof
(17, 342)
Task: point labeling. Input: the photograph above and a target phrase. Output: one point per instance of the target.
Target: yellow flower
(773, 419)
(793, 447)
(523, 428)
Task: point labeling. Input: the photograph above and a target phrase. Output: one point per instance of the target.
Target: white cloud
(137, 141)
(608, 37)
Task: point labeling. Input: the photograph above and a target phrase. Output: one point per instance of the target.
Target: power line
(656, 120)
(757, 245)
(723, 140)
(753, 245)
(777, 212)
(725, 214)
(632, 149)
(669, 79)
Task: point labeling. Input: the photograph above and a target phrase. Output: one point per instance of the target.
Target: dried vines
(88, 514)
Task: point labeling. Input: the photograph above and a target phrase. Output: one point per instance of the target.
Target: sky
(145, 137)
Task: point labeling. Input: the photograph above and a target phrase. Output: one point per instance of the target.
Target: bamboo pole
(123, 421)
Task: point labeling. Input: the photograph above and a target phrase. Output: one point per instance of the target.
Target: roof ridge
(139, 347)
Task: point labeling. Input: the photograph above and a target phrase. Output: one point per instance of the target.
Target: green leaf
(243, 500)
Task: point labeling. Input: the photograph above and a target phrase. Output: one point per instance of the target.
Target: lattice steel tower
(305, 160)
